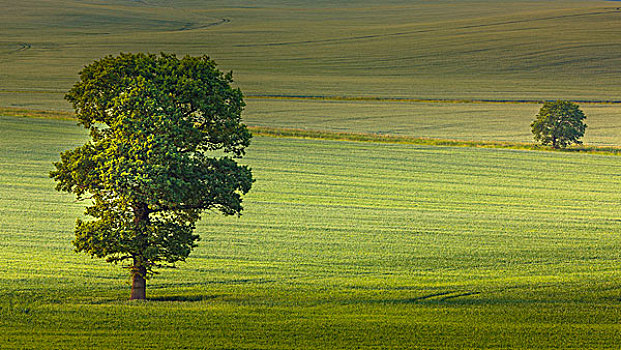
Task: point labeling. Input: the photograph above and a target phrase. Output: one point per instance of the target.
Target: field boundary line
(412, 140)
(416, 100)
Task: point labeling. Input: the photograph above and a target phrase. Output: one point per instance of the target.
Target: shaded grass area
(341, 245)
(227, 324)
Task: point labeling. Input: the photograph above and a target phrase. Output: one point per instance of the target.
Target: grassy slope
(483, 49)
(524, 244)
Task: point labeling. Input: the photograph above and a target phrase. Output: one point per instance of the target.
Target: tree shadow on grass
(186, 298)
(211, 282)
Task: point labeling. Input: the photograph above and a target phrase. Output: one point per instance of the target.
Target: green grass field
(342, 245)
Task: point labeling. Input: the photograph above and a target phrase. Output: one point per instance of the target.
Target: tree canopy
(559, 124)
(165, 133)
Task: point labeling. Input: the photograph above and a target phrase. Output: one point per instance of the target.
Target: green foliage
(154, 123)
(559, 124)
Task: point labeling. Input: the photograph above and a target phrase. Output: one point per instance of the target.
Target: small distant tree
(150, 167)
(559, 124)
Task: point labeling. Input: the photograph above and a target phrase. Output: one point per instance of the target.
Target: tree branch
(182, 207)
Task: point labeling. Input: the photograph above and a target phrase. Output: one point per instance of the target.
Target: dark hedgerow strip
(417, 100)
(31, 113)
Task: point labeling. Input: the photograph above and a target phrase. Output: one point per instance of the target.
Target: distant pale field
(463, 121)
(341, 245)
(426, 49)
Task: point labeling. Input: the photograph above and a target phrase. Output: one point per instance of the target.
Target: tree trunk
(139, 284)
(139, 271)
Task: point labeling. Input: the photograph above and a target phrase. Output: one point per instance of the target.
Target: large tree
(165, 132)
(559, 124)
